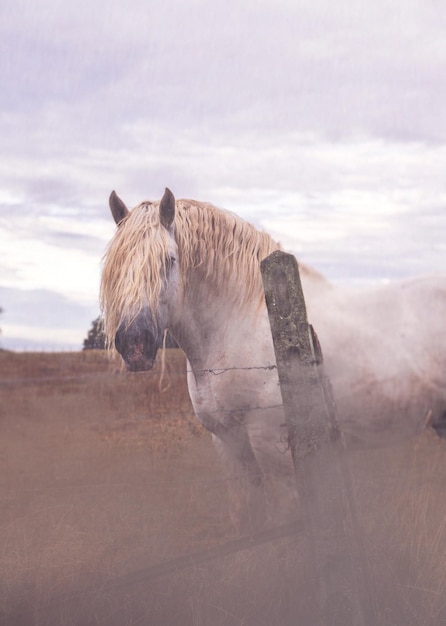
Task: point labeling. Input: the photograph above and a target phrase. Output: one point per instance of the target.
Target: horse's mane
(212, 244)
(219, 245)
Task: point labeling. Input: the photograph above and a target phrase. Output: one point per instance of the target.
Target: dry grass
(95, 477)
(91, 387)
(102, 476)
(402, 500)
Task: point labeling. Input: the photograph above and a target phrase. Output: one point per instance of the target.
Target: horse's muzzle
(136, 361)
(138, 344)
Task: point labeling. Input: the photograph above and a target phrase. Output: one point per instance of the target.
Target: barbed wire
(216, 371)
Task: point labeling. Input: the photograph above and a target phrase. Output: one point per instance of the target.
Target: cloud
(63, 262)
(324, 123)
(336, 70)
(56, 320)
(100, 94)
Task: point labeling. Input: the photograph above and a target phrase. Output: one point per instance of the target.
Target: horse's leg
(241, 467)
(245, 478)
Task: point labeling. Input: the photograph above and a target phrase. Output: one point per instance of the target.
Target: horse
(194, 269)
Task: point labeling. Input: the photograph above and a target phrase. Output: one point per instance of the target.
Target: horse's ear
(118, 208)
(167, 208)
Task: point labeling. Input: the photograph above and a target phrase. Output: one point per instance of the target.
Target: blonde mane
(212, 243)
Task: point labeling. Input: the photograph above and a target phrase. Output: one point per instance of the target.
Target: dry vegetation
(103, 478)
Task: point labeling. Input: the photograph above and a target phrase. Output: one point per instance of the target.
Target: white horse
(194, 269)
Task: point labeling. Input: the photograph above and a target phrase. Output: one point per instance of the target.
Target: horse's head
(141, 283)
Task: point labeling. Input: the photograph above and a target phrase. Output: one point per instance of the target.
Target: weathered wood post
(341, 588)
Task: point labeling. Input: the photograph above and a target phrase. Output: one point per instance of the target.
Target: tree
(96, 337)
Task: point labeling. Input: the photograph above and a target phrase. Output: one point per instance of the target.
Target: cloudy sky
(323, 123)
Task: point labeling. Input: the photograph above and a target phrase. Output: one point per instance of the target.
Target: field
(114, 510)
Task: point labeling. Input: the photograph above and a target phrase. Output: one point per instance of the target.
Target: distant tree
(96, 337)
(1, 311)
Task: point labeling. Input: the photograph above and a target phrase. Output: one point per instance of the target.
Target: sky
(323, 123)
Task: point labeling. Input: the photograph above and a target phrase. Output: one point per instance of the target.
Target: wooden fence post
(335, 557)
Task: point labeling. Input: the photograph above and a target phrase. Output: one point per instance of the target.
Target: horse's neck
(216, 333)
(218, 330)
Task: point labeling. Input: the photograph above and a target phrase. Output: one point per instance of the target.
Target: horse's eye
(170, 262)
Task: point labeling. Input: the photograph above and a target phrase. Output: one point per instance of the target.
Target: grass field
(106, 483)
